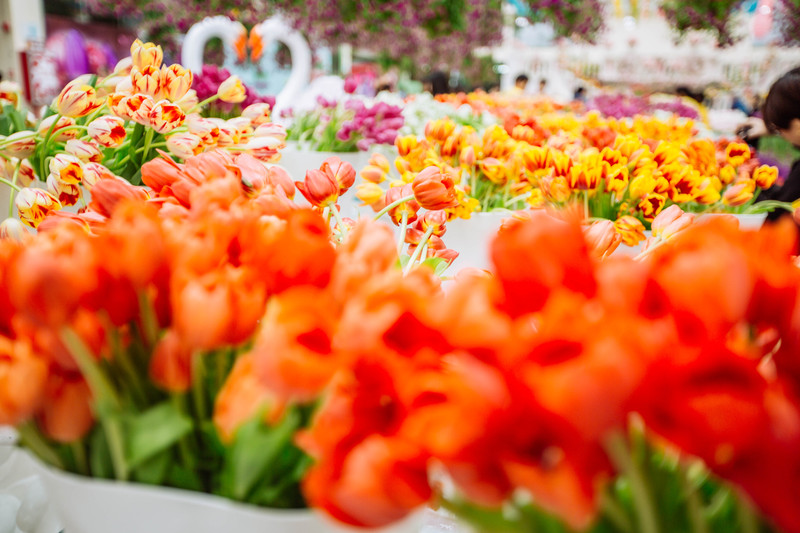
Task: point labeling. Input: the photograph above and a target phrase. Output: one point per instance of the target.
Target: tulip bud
(20, 144)
(270, 129)
(139, 107)
(189, 101)
(94, 172)
(409, 207)
(59, 133)
(65, 193)
(33, 205)
(228, 135)
(109, 85)
(107, 130)
(232, 90)
(765, 176)
(203, 128)
(175, 82)
(737, 154)
(631, 229)
(602, 238)
(278, 177)
(25, 175)
(124, 87)
(380, 161)
(145, 55)
(12, 229)
(369, 192)
(257, 114)
(405, 144)
(373, 174)
(146, 81)
(184, 145)
(433, 219)
(242, 126)
(264, 148)
(739, 193)
(467, 157)
(67, 168)
(165, 116)
(10, 91)
(123, 67)
(85, 151)
(77, 100)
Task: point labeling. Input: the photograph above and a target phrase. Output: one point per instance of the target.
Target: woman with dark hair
(781, 114)
(436, 83)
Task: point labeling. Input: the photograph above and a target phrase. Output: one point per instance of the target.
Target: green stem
(106, 403)
(79, 453)
(586, 204)
(148, 138)
(14, 190)
(150, 325)
(10, 184)
(205, 102)
(44, 146)
(339, 221)
(516, 199)
(621, 456)
(402, 237)
(418, 251)
(747, 516)
(197, 386)
(392, 205)
(184, 452)
(31, 438)
(693, 503)
(615, 513)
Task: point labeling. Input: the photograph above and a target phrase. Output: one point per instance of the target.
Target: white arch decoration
(272, 29)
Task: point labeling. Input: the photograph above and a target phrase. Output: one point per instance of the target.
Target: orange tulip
(319, 188)
(434, 189)
(585, 177)
(602, 238)
(410, 207)
(405, 144)
(107, 193)
(671, 221)
(66, 414)
(380, 161)
(171, 363)
(293, 354)
(340, 172)
(22, 381)
(218, 308)
(242, 397)
(373, 174)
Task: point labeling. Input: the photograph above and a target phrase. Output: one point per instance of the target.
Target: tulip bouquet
(347, 126)
(110, 127)
(137, 336)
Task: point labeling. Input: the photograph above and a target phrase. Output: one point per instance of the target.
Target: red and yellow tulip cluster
(112, 126)
(210, 295)
(629, 179)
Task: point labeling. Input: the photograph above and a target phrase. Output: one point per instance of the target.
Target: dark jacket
(788, 192)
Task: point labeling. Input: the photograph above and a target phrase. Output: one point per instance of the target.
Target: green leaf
(154, 470)
(254, 451)
(181, 478)
(154, 431)
(100, 455)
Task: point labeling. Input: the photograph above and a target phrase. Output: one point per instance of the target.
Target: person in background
(436, 83)
(520, 82)
(579, 95)
(781, 115)
(543, 86)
